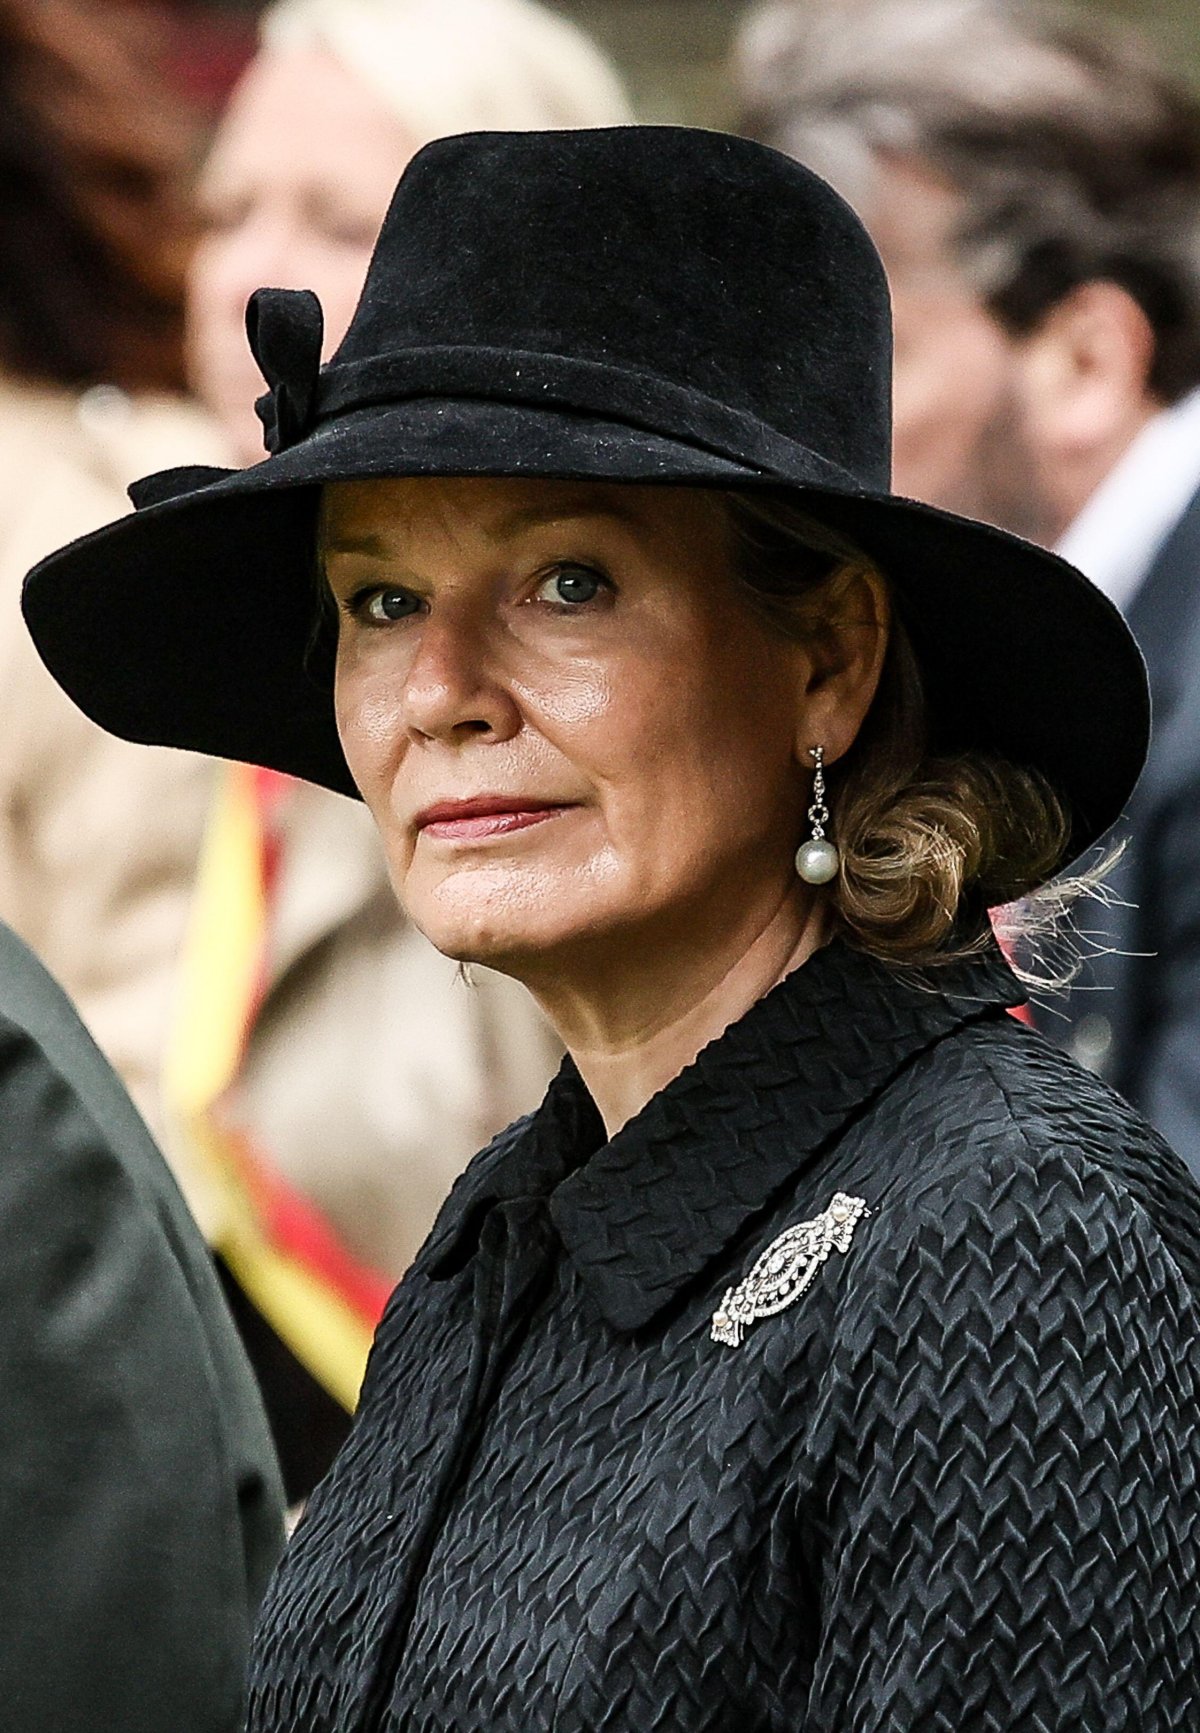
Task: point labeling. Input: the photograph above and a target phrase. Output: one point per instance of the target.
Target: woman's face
(291, 197)
(573, 732)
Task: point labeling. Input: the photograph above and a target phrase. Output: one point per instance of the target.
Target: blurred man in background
(1032, 179)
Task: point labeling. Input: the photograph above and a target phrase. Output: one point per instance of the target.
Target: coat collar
(1165, 610)
(643, 1214)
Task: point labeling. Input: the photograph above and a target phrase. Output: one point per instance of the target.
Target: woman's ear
(843, 660)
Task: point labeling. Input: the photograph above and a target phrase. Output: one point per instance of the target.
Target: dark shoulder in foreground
(139, 1493)
(38, 1020)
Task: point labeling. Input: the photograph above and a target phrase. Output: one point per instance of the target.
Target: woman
(821, 1354)
(339, 96)
(367, 1073)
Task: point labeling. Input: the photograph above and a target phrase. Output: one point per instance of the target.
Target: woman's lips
(475, 820)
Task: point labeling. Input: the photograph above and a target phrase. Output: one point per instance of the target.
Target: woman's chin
(510, 949)
(517, 910)
(499, 931)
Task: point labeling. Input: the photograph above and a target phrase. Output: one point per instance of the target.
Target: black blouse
(935, 1468)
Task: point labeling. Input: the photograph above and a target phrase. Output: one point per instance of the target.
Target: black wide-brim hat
(640, 304)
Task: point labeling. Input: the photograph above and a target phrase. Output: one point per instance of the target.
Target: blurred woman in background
(330, 1073)
(341, 95)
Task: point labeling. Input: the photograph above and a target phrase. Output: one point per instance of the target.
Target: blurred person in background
(139, 1495)
(1031, 176)
(330, 1073)
(98, 840)
(341, 95)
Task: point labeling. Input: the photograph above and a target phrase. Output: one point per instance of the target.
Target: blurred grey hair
(448, 66)
(825, 81)
(1076, 153)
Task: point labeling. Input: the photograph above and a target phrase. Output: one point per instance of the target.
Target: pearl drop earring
(817, 859)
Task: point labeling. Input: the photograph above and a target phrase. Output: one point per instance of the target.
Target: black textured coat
(954, 1487)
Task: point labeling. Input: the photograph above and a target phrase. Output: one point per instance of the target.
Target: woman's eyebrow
(376, 547)
(372, 546)
(530, 516)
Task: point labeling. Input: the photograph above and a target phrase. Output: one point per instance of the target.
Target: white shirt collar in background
(1122, 528)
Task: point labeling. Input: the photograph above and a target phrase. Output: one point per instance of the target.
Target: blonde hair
(928, 842)
(449, 66)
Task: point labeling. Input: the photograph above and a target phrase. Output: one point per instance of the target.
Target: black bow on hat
(637, 304)
(286, 329)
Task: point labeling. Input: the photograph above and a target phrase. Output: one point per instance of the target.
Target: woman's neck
(654, 1012)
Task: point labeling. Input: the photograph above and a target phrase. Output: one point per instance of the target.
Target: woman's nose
(455, 687)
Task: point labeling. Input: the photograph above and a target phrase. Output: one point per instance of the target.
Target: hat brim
(192, 622)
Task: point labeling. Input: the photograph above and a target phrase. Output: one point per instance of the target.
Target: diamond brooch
(787, 1268)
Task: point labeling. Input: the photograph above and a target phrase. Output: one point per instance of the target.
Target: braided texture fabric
(953, 1488)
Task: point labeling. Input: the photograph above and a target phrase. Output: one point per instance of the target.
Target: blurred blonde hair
(448, 66)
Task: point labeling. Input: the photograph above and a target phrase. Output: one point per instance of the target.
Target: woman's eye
(383, 607)
(573, 586)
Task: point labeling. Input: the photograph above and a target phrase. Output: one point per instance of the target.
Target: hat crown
(527, 264)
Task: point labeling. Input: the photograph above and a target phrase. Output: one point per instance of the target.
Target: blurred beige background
(671, 51)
